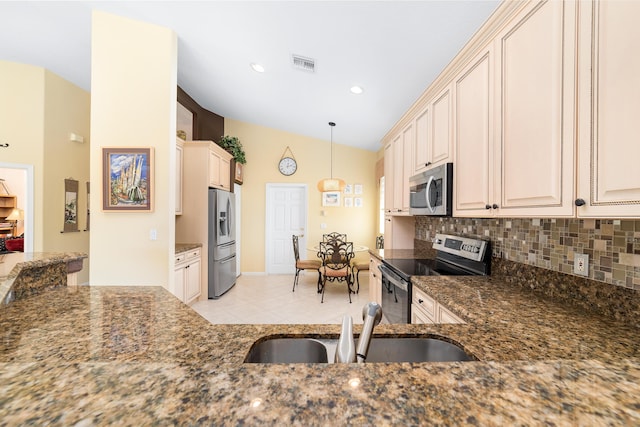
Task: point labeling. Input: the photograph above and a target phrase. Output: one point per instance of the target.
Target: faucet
(346, 350)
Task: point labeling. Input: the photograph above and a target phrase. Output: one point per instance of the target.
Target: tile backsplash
(613, 245)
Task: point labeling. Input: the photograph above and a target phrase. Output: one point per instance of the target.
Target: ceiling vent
(304, 64)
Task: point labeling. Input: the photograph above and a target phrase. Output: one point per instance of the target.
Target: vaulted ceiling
(392, 49)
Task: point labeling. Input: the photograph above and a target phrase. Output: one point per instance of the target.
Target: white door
(286, 214)
(237, 190)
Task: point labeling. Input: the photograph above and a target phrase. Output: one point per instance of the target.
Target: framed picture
(348, 202)
(348, 189)
(70, 205)
(127, 179)
(357, 202)
(331, 198)
(358, 188)
(239, 173)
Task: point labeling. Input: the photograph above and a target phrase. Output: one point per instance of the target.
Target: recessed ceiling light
(257, 67)
(357, 90)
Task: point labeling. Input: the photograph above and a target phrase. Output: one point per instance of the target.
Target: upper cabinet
(433, 130)
(219, 167)
(208, 159)
(609, 94)
(179, 163)
(515, 119)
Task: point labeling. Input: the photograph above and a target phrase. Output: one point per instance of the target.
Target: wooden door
(537, 111)
(422, 141)
(473, 183)
(609, 175)
(441, 128)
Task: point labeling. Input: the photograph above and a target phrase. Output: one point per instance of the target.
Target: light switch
(153, 234)
(323, 226)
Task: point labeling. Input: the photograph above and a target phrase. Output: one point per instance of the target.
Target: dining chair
(307, 264)
(380, 242)
(336, 264)
(334, 236)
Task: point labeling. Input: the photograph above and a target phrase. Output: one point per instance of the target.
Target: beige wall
(133, 104)
(38, 110)
(264, 148)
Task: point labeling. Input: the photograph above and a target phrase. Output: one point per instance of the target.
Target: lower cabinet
(375, 280)
(187, 276)
(426, 310)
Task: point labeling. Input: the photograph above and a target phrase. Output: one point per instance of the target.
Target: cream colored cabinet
(426, 310)
(440, 147)
(375, 280)
(433, 133)
(473, 115)
(609, 94)
(219, 167)
(399, 232)
(179, 177)
(400, 163)
(388, 178)
(187, 276)
(531, 132)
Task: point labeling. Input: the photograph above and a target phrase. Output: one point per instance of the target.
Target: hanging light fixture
(331, 184)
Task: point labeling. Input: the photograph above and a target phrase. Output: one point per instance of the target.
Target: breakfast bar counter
(138, 356)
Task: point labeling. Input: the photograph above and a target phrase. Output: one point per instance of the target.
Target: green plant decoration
(233, 145)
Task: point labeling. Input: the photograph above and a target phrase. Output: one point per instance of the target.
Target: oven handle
(393, 278)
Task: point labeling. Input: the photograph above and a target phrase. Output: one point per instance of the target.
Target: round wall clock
(287, 166)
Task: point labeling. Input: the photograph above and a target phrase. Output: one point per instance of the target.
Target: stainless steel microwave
(431, 191)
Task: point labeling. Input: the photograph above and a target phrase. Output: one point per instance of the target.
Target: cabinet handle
(420, 301)
(494, 206)
(487, 207)
(428, 164)
(580, 202)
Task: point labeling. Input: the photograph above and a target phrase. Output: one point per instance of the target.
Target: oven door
(396, 297)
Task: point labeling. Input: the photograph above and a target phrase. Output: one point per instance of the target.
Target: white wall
(133, 104)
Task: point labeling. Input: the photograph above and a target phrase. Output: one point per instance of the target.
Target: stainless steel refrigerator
(222, 242)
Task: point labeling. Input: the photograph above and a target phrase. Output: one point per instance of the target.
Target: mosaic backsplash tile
(613, 245)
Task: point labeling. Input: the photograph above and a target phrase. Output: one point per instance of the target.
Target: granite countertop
(138, 356)
(184, 247)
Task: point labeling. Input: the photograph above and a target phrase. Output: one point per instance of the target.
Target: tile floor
(269, 300)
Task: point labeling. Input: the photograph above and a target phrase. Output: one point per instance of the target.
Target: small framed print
(357, 202)
(348, 189)
(348, 202)
(331, 198)
(127, 179)
(358, 188)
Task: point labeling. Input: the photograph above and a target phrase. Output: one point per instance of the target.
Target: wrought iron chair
(309, 264)
(336, 264)
(364, 265)
(334, 236)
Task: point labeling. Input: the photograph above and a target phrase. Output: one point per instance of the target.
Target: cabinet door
(214, 169)
(445, 316)
(609, 176)
(388, 178)
(179, 162)
(418, 317)
(441, 128)
(474, 138)
(225, 173)
(178, 282)
(192, 281)
(408, 142)
(537, 111)
(398, 174)
(422, 141)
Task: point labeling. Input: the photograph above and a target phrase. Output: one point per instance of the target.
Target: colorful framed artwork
(348, 189)
(127, 179)
(331, 198)
(70, 205)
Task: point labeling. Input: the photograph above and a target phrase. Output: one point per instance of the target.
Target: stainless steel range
(456, 256)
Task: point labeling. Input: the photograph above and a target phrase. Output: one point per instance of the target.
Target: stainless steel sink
(381, 350)
(287, 350)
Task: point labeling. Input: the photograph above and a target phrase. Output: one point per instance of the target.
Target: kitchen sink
(381, 350)
(288, 350)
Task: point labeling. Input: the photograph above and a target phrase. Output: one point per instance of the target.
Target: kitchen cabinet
(179, 178)
(399, 232)
(515, 148)
(375, 280)
(215, 160)
(422, 141)
(609, 106)
(219, 167)
(399, 164)
(426, 310)
(187, 276)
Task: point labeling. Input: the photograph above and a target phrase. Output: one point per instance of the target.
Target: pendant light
(331, 184)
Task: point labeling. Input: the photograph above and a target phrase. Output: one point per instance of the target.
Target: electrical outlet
(581, 264)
